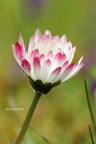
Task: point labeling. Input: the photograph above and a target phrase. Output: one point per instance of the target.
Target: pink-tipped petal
(19, 60)
(34, 53)
(56, 71)
(36, 67)
(64, 66)
(69, 68)
(26, 65)
(60, 57)
(48, 62)
(58, 60)
(18, 51)
(74, 70)
(21, 42)
(54, 75)
(77, 67)
(66, 69)
(49, 55)
(70, 71)
(42, 58)
(70, 75)
(61, 74)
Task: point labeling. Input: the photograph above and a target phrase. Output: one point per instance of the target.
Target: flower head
(47, 62)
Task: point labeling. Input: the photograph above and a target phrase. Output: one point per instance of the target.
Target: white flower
(47, 62)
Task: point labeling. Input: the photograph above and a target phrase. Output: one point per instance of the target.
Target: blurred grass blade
(70, 142)
(89, 105)
(91, 135)
(45, 139)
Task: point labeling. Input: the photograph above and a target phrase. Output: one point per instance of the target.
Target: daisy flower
(48, 60)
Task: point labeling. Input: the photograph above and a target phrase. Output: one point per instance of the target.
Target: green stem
(89, 106)
(28, 117)
(92, 140)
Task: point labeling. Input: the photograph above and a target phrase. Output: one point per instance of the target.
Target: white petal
(45, 70)
(63, 38)
(47, 32)
(31, 45)
(37, 35)
(71, 54)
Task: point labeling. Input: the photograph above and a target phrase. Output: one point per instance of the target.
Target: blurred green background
(62, 116)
